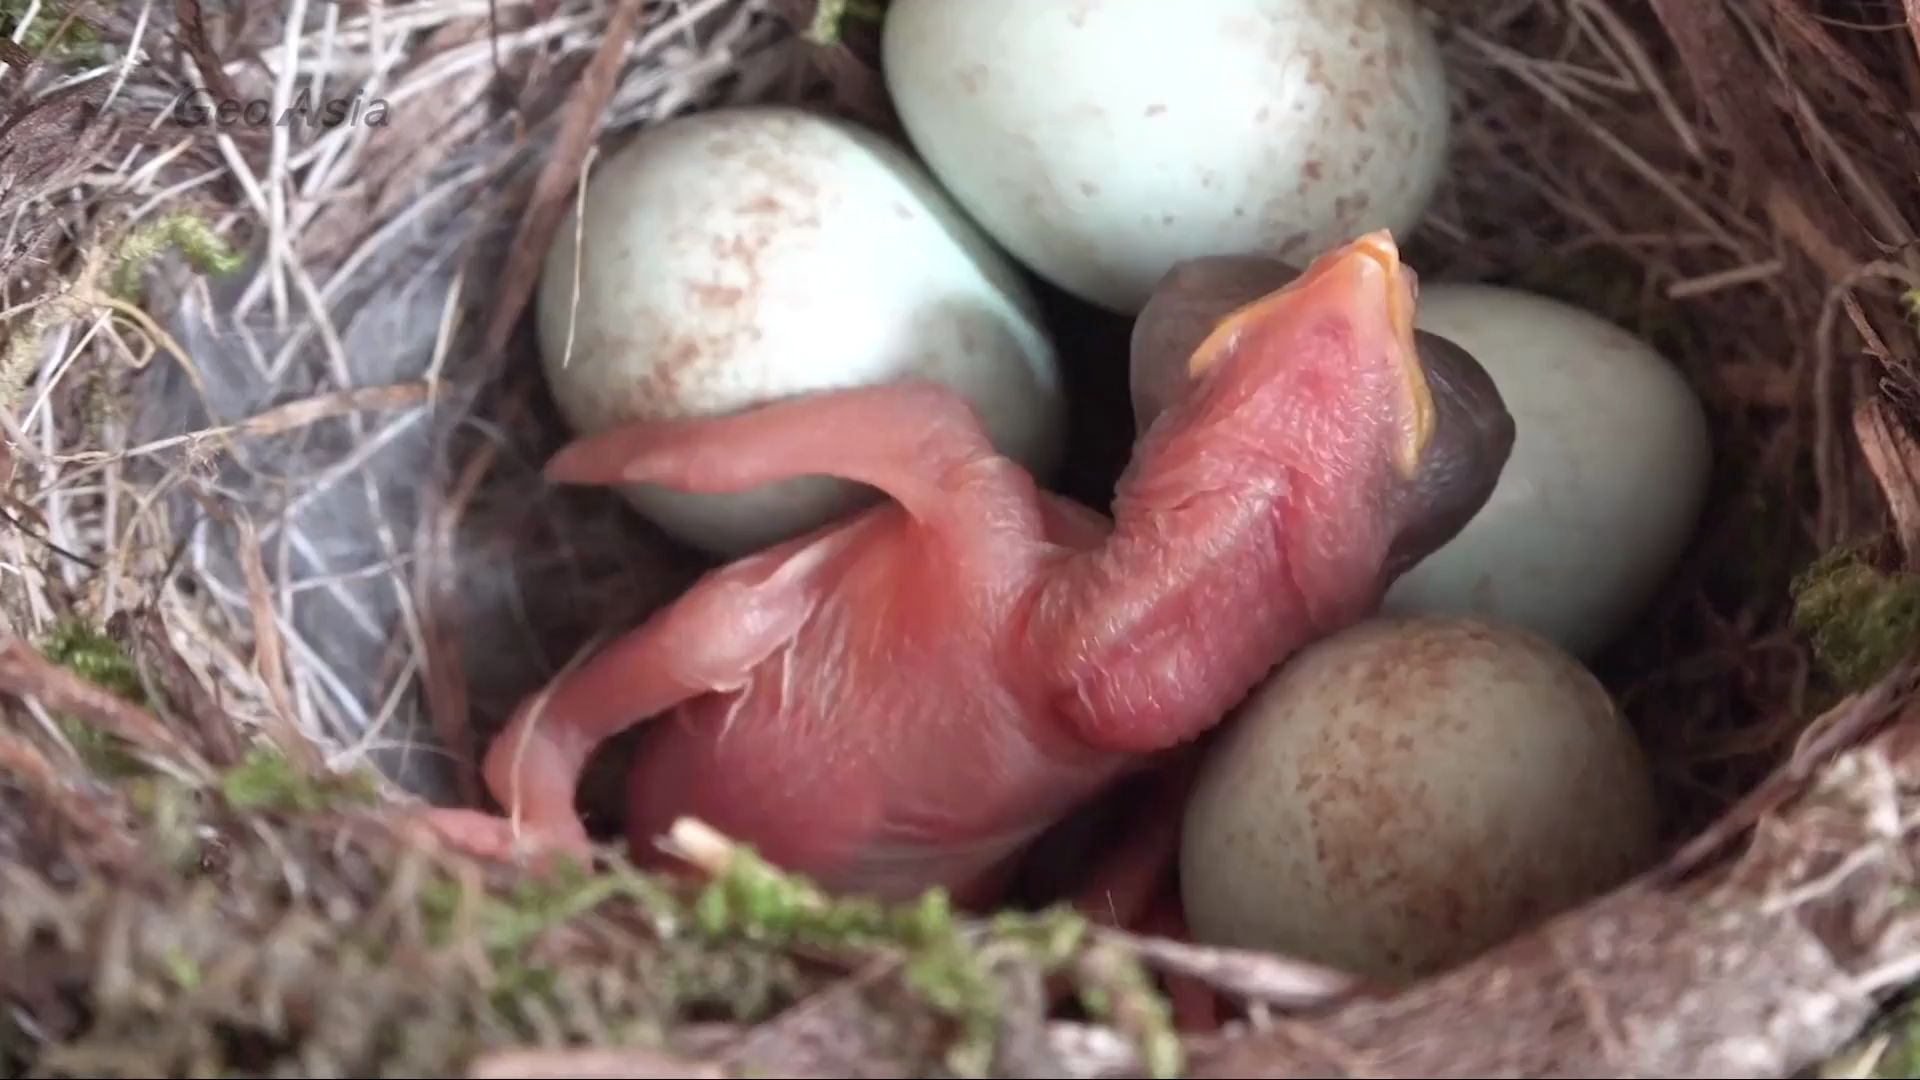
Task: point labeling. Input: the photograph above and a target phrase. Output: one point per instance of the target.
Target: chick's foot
(493, 838)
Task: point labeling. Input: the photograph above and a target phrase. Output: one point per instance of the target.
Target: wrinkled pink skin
(907, 698)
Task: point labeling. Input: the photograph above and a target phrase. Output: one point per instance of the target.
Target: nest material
(273, 439)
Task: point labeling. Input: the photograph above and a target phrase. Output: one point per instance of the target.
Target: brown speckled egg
(1404, 794)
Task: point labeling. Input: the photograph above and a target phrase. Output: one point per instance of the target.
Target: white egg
(735, 256)
(1101, 142)
(1605, 485)
(1406, 793)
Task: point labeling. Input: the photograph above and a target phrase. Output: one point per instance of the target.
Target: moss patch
(1902, 1054)
(266, 780)
(831, 16)
(1860, 621)
(1889, 1049)
(185, 233)
(947, 964)
(78, 43)
(100, 660)
(92, 655)
(274, 942)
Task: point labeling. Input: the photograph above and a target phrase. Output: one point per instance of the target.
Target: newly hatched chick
(906, 698)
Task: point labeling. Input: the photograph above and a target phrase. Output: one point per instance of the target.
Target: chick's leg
(1132, 869)
(708, 640)
(909, 439)
(1134, 885)
(1196, 1008)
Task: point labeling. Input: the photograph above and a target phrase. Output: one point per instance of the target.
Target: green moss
(831, 15)
(755, 901)
(79, 43)
(945, 965)
(102, 661)
(298, 951)
(1121, 994)
(95, 657)
(171, 812)
(1888, 1048)
(1859, 620)
(266, 780)
(1902, 1056)
(743, 983)
(527, 988)
(193, 238)
(507, 923)
(184, 970)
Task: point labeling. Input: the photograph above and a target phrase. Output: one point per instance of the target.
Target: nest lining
(276, 547)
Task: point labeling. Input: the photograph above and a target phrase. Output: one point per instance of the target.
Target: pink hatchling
(910, 696)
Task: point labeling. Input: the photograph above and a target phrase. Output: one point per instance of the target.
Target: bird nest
(279, 558)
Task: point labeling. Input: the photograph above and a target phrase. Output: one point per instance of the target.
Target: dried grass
(303, 498)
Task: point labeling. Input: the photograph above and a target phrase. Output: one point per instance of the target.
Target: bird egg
(1408, 792)
(1605, 485)
(1102, 141)
(732, 257)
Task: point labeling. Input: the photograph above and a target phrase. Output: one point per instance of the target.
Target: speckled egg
(1606, 483)
(1101, 141)
(732, 257)
(1406, 793)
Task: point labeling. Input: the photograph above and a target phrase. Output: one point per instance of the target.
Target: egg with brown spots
(1408, 792)
(734, 256)
(1101, 141)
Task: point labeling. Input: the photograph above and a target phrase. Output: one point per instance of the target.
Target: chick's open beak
(1366, 279)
